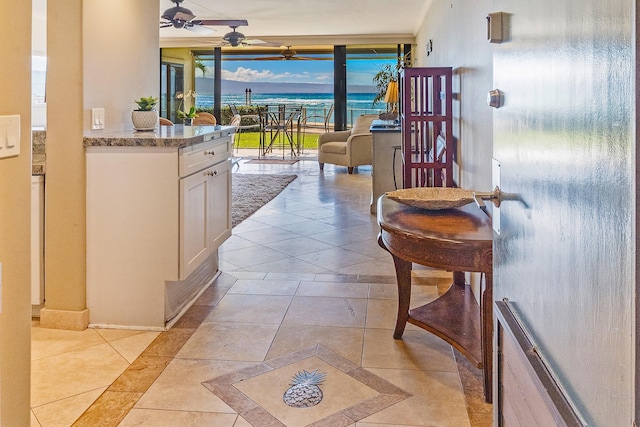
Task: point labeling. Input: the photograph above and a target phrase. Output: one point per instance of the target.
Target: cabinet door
(219, 204)
(194, 195)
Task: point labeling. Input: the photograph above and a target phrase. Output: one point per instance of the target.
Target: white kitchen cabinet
(205, 201)
(219, 203)
(157, 211)
(194, 242)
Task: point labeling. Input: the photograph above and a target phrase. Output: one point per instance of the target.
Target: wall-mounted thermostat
(495, 27)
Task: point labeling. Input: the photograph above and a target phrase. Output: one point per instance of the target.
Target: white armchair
(348, 148)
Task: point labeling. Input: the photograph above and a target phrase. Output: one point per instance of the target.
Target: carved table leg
(458, 278)
(403, 276)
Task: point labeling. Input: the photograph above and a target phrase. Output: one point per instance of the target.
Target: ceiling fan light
(233, 35)
(178, 13)
(234, 38)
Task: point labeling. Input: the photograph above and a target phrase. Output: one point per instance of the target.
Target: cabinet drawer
(203, 155)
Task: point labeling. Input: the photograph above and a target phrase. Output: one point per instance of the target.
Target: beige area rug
(273, 161)
(249, 192)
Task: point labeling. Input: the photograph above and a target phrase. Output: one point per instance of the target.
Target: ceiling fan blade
(216, 44)
(203, 31)
(222, 22)
(268, 58)
(284, 58)
(257, 42)
(166, 24)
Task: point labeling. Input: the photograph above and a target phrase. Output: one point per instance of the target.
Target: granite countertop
(163, 136)
(38, 151)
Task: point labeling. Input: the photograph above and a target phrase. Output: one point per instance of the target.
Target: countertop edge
(165, 136)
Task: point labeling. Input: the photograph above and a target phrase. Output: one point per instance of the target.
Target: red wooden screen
(426, 114)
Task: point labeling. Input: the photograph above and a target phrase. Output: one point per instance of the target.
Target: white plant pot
(144, 120)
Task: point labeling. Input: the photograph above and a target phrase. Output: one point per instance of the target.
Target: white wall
(39, 47)
(456, 32)
(101, 54)
(121, 57)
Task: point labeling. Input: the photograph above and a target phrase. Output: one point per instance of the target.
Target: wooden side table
(457, 240)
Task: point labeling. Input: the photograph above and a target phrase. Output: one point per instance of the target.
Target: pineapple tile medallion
(349, 393)
(304, 391)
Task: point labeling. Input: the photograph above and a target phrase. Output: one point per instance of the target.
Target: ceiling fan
(288, 54)
(235, 38)
(180, 17)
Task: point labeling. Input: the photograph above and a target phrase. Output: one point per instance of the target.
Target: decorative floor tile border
(388, 394)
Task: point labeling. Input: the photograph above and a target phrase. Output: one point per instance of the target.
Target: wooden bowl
(432, 198)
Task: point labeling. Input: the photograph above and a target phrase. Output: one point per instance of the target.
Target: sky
(359, 72)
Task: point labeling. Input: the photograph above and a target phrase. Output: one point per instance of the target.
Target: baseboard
(64, 319)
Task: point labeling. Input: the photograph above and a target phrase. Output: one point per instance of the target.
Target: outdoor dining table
(280, 124)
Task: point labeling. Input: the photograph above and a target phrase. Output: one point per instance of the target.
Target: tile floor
(304, 286)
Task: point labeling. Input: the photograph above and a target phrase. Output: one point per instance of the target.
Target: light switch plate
(97, 118)
(495, 177)
(9, 136)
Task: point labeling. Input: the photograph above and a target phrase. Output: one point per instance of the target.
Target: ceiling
(304, 22)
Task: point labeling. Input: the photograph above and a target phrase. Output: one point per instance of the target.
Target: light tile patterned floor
(304, 272)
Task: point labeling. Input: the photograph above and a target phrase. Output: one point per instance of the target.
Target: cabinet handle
(214, 173)
(213, 153)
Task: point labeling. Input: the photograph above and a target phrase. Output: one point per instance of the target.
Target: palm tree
(200, 65)
(387, 73)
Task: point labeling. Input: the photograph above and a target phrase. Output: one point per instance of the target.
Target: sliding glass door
(171, 83)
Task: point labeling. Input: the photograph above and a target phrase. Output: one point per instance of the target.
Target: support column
(340, 87)
(65, 260)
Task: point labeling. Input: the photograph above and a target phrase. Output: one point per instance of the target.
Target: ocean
(315, 103)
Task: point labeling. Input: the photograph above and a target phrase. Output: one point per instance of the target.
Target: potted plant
(145, 117)
(187, 116)
(386, 77)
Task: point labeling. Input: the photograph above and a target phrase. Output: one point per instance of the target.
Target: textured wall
(454, 34)
(565, 140)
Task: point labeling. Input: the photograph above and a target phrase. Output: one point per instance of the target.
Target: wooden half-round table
(458, 240)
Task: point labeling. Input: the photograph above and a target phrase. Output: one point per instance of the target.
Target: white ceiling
(295, 22)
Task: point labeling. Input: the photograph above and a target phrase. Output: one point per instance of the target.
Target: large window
(171, 83)
(38, 90)
(38, 78)
(292, 75)
(363, 63)
(204, 69)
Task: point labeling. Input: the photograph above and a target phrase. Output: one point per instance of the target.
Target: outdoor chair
(205, 118)
(348, 148)
(235, 122)
(277, 128)
(326, 119)
(253, 119)
(164, 122)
